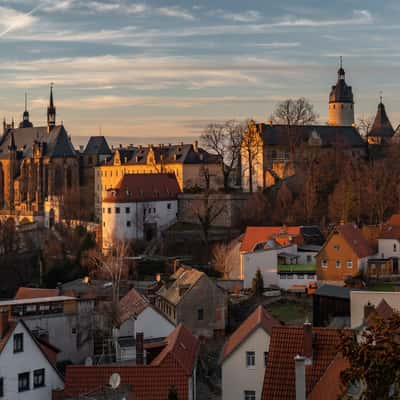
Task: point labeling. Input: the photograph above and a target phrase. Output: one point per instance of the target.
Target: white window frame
(249, 395)
(250, 356)
(349, 264)
(338, 264)
(324, 263)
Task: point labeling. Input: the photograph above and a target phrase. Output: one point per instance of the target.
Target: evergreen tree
(258, 284)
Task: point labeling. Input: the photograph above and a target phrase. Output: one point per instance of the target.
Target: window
(394, 247)
(169, 206)
(127, 210)
(117, 210)
(104, 224)
(336, 247)
(200, 314)
(349, 264)
(23, 382)
(128, 223)
(324, 263)
(109, 210)
(1, 387)
(265, 358)
(18, 342)
(249, 395)
(309, 259)
(104, 210)
(338, 264)
(250, 359)
(38, 378)
(290, 276)
(300, 276)
(282, 276)
(154, 210)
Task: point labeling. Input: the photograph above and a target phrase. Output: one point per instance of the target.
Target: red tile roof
(394, 220)
(330, 386)
(173, 366)
(144, 187)
(260, 234)
(259, 318)
(286, 343)
(132, 304)
(354, 237)
(34, 293)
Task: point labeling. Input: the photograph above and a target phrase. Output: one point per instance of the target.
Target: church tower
(51, 111)
(25, 123)
(341, 102)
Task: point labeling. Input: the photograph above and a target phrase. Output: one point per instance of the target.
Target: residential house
(192, 298)
(267, 247)
(66, 322)
(192, 166)
(244, 356)
(27, 364)
(138, 315)
(360, 300)
(141, 206)
(175, 365)
(345, 254)
(303, 363)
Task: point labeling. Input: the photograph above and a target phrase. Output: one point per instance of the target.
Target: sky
(154, 70)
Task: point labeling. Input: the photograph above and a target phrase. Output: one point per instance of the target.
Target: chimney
(368, 310)
(307, 341)
(139, 348)
(300, 377)
(3, 323)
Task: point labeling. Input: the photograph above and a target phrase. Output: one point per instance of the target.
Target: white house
(244, 356)
(140, 207)
(66, 322)
(27, 365)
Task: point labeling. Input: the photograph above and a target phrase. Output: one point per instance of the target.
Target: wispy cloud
(12, 20)
(245, 16)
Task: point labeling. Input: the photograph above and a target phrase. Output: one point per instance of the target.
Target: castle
(271, 156)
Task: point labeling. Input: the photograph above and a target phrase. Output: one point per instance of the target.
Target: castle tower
(382, 130)
(51, 111)
(341, 102)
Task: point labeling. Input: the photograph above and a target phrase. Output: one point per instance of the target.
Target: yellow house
(193, 167)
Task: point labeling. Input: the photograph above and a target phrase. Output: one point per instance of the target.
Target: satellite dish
(88, 361)
(115, 380)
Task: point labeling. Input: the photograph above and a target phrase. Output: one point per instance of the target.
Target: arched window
(69, 178)
(58, 180)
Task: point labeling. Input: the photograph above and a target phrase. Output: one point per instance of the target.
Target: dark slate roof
(326, 135)
(381, 126)
(56, 143)
(168, 154)
(338, 292)
(312, 235)
(341, 92)
(97, 145)
(59, 143)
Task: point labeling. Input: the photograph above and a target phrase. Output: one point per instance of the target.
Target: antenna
(341, 61)
(115, 380)
(380, 96)
(26, 101)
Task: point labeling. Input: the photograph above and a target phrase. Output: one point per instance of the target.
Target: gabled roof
(59, 143)
(288, 342)
(391, 230)
(354, 238)
(327, 135)
(258, 319)
(184, 278)
(381, 126)
(33, 293)
(132, 304)
(144, 188)
(173, 366)
(97, 145)
(44, 347)
(383, 310)
(260, 234)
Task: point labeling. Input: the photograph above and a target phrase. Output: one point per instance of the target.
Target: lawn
(384, 287)
(291, 312)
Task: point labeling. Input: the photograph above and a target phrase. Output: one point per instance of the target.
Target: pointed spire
(26, 101)
(381, 126)
(51, 110)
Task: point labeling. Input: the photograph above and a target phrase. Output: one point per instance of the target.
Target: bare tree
(112, 266)
(224, 139)
(365, 124)
(294, 112)
(222, 259)
(251, 150)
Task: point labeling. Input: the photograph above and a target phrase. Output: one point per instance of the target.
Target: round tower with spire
(51, 111)
(341, 102)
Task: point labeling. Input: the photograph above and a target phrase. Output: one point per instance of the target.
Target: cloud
(12, 20)
(176, 12)
(246, 16)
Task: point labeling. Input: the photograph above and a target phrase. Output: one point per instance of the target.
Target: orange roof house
(174, 366)
(344, 254)
(323, 364)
